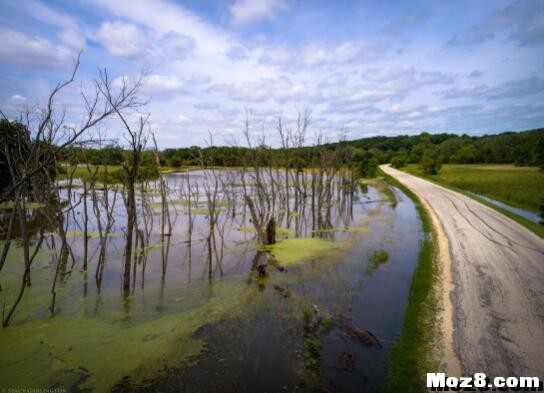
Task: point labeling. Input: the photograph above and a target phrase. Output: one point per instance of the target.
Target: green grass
(376, 259)
(84, 173)
(505, 183)
(521, 187)
(414, 354)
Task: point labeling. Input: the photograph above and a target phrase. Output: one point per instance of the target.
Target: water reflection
(196, 258)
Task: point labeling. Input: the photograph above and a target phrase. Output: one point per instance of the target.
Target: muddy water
(200, 315)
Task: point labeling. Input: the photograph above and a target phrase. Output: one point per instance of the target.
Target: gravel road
(498, 276)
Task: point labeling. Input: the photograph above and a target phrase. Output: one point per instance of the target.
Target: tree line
(524, 148)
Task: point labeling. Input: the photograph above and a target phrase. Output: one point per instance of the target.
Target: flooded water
(534, 217)
(211, 309)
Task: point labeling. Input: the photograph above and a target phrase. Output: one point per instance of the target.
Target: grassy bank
(521, 187)
(505, 183)
(114, 171)
(411, 356)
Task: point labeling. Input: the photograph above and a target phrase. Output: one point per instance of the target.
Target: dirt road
(497, 269)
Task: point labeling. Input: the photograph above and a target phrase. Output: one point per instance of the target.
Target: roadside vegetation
(414, 353)
(521, 187)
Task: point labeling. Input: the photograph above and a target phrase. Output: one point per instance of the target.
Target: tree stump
(271, 231)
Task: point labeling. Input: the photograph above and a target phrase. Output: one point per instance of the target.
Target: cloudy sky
(366, 67)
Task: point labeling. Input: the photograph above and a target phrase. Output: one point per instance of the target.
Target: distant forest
(429, 150)
(524, 148)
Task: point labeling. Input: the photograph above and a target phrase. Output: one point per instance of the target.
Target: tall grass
(521, 187)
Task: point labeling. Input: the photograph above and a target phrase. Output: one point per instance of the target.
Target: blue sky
(363, 67)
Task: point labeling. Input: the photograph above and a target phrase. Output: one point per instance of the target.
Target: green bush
(431, 162)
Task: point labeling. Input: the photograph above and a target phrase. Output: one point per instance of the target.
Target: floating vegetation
(312, 355)
(283, 232)
(150, 247)
(377, 258)
(358, 230)
(182, 202)
(90, 234)
(292, 213)
(294, 251)
(8, 205)
(95, 338)
(79, 351)
(202, 211)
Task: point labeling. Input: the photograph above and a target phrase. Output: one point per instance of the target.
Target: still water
(203, 313)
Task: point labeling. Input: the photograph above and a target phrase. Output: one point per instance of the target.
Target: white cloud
(182, 119)
(276, 56)
(155, 83)
(33, 51)
(17, 99)
(128, 40)
(47, 15)
(236, 53)
(175, 45)
(73, 38)
(199, 78)
(208, 74)
(122, 39)
(317, 54)
(248, 11)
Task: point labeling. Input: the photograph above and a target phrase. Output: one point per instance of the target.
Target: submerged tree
(42, 135)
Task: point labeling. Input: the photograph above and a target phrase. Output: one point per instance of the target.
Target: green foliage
(15, 137)
(520, 148)
(400, 159)
(466, 154)
(367, 167)
(431, 162)
(516, 186)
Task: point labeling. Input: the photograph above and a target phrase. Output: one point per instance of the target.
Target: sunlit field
(521, 187)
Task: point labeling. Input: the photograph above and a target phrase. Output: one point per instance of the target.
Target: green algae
(29, 205)
(181, 202)
(96, 353)
(203, 211)
(292, 213)
(150, 247)
(90, 234)
(280, 231)
(294, 251)
(357, 230)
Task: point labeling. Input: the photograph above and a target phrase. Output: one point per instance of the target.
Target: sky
(363, 68)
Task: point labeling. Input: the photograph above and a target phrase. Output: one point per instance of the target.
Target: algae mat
(95, 353)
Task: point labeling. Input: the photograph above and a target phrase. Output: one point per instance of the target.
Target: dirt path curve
(497, 268)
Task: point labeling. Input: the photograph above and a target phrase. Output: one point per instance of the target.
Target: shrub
(431, 162)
